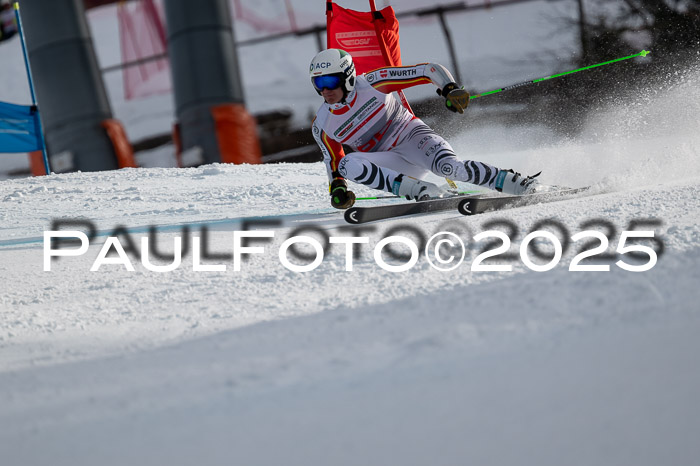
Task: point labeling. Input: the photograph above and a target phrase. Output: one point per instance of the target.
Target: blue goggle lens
(328, 82)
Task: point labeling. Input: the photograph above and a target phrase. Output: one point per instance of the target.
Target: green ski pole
(643, 53)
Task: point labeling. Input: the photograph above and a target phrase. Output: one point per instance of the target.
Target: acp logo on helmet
(321, 66)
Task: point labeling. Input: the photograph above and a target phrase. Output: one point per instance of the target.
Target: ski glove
(341, 198)
(456, 99)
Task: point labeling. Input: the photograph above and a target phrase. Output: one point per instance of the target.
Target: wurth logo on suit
(393, 73)
(404, 73)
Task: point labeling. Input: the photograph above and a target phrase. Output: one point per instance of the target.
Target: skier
(394, 150)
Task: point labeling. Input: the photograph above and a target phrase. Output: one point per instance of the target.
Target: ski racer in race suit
(394, 150)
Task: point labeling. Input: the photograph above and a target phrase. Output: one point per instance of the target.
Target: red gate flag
(357, 33)
(142, 36)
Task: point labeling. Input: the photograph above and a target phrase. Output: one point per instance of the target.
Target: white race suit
(387, 139)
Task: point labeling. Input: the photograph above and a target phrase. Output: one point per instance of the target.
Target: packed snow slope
(270, 366)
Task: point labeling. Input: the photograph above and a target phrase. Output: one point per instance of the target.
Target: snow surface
(270, 366)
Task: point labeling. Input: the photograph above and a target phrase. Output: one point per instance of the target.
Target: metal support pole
(582, 31)
(440, 12)
(450, 45)
(204, 67)
(69, 87)
(319, 39)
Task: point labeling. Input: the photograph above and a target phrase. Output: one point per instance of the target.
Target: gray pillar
(204, 68)
(69, 88)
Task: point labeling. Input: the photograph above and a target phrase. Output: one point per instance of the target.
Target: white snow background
(269, 366)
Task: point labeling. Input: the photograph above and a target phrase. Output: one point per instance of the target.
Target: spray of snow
(646, 137)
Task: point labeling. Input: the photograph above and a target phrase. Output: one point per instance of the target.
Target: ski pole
(20, 30)
(643, 53)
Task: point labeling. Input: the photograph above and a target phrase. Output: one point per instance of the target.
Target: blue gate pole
(31, 87)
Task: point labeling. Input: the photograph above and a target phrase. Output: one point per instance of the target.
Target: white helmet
(333, 63)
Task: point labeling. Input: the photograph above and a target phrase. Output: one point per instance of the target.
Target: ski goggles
(329, 81)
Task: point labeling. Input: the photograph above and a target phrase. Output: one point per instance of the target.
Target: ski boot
(411, 188)
(511, 182)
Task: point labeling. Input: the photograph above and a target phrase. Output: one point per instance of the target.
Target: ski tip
(466, 207)
(351, 216)
(644, 53)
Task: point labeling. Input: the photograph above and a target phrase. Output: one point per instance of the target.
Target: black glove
(341, 198)
(456, 99)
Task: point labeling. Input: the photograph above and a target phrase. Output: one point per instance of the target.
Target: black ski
(357, 215)
(467, 205)
(479, 205)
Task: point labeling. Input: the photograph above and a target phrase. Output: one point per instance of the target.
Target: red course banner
(354, 32)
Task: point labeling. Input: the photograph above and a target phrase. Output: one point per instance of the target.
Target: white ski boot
(511, 182)
(411, 188)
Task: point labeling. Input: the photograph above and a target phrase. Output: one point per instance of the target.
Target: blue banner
(19, 128)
